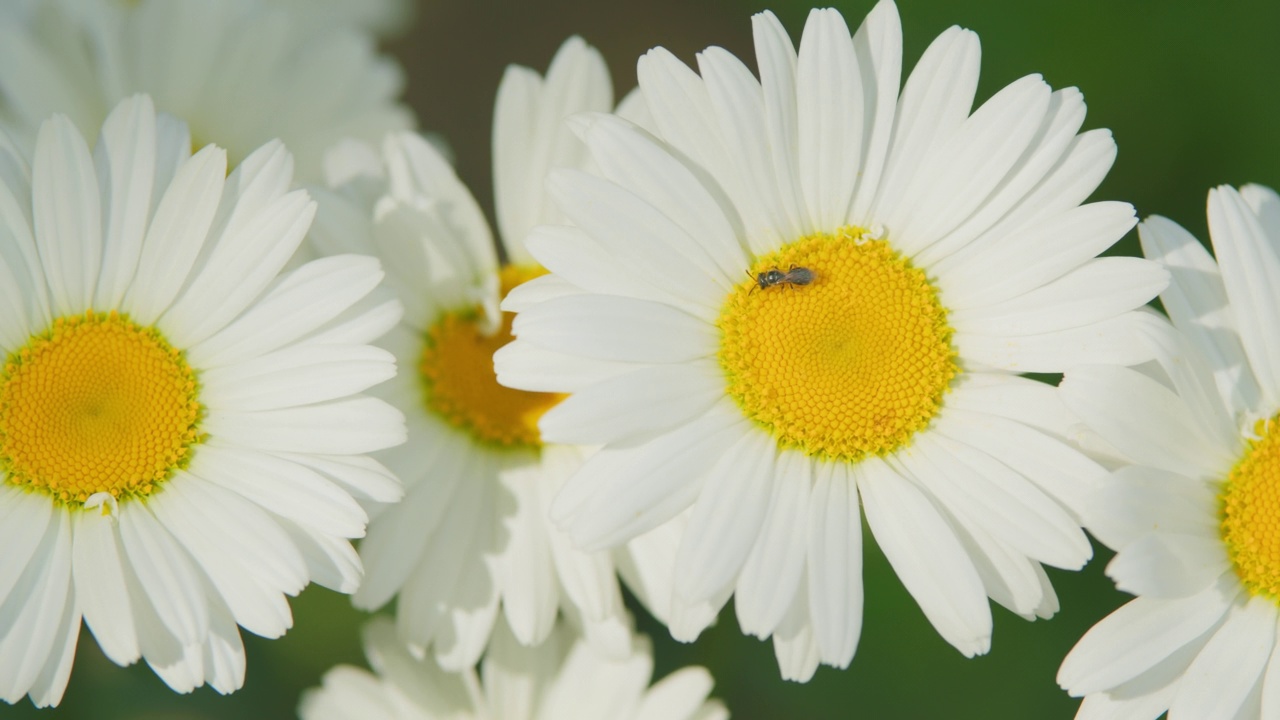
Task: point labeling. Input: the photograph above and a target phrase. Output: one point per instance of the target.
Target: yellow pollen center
(460, 384)
(852, 363)
(96, 404)
(1251, 513)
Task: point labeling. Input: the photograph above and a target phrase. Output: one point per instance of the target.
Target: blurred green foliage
(1189, 90)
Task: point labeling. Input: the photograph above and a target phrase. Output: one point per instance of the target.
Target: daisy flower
(1195, 521)
(561, 679)
(238, 73)
(471, 535)
(181, 431)
(808, 297)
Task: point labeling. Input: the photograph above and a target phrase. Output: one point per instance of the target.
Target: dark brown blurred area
(455, 54)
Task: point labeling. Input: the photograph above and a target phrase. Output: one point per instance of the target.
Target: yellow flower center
(461, 386)
(852, 363)
(96, 404)
(1251, 513)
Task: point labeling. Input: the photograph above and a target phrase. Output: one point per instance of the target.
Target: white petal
(829, 118)
(835, 563)
(1166, 565)
(295, 375)
(351, 426)
(738, 101)
(771, 574)
(776, 58)
(165, 574)
(1098, 290)
(281, 487)
(1029, 256)
(878, 45)
(634, 406)
(606, 327)
(962, 170)
(526, 366)
(1251, 274)
(177, 233)
(223, 654)
(1196, 301)
(1143, 419)
(1140, 634)
(304, 300)
(32, 613)
(1057, 130)
(49, 685)
(1221, 677)
(331, 561)
(1137, 499)
(927, 557)
(935, 101)
(1271, 684)
(67, 213)
(247, 255)
(580, 260)
(463, 637)
(635, 232)
(246, 557)
(524, 570)
(1061, 471)
(398, 537)
(100, 586)
(24, 519)
(621, 493)
(727, 517)
(126, 162)
(678, 696)
(793, 643)
(972, 484)
(1117, 341)
(636, 161)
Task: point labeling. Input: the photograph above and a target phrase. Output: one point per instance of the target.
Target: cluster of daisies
(249, 316)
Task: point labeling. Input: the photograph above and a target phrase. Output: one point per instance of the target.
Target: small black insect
(774, 277)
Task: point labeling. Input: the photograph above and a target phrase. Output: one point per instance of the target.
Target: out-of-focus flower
(472, 538)
(1195, 521)
(561, 679)
(182, 434)
(238, 73)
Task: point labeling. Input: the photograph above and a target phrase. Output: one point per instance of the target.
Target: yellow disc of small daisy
(460, 383)
(841, 349)
(1251, 513)
(96, 404)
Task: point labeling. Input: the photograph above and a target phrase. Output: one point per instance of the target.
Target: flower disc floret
(96, 404)
(459, 383)
(853, 363)
(1251, 513)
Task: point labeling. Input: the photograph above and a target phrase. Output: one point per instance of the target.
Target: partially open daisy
(808, 294)
(182, 436)
(563, 678)
(472, 535)
(238, 73)
(1196, 520)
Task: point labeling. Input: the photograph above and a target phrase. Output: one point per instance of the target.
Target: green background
(1189, 90)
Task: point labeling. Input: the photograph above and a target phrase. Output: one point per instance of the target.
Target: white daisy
(181, 429)
(238, 73)
(1195, 520)
(561, 679)
(472, 533)
(811, 294)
